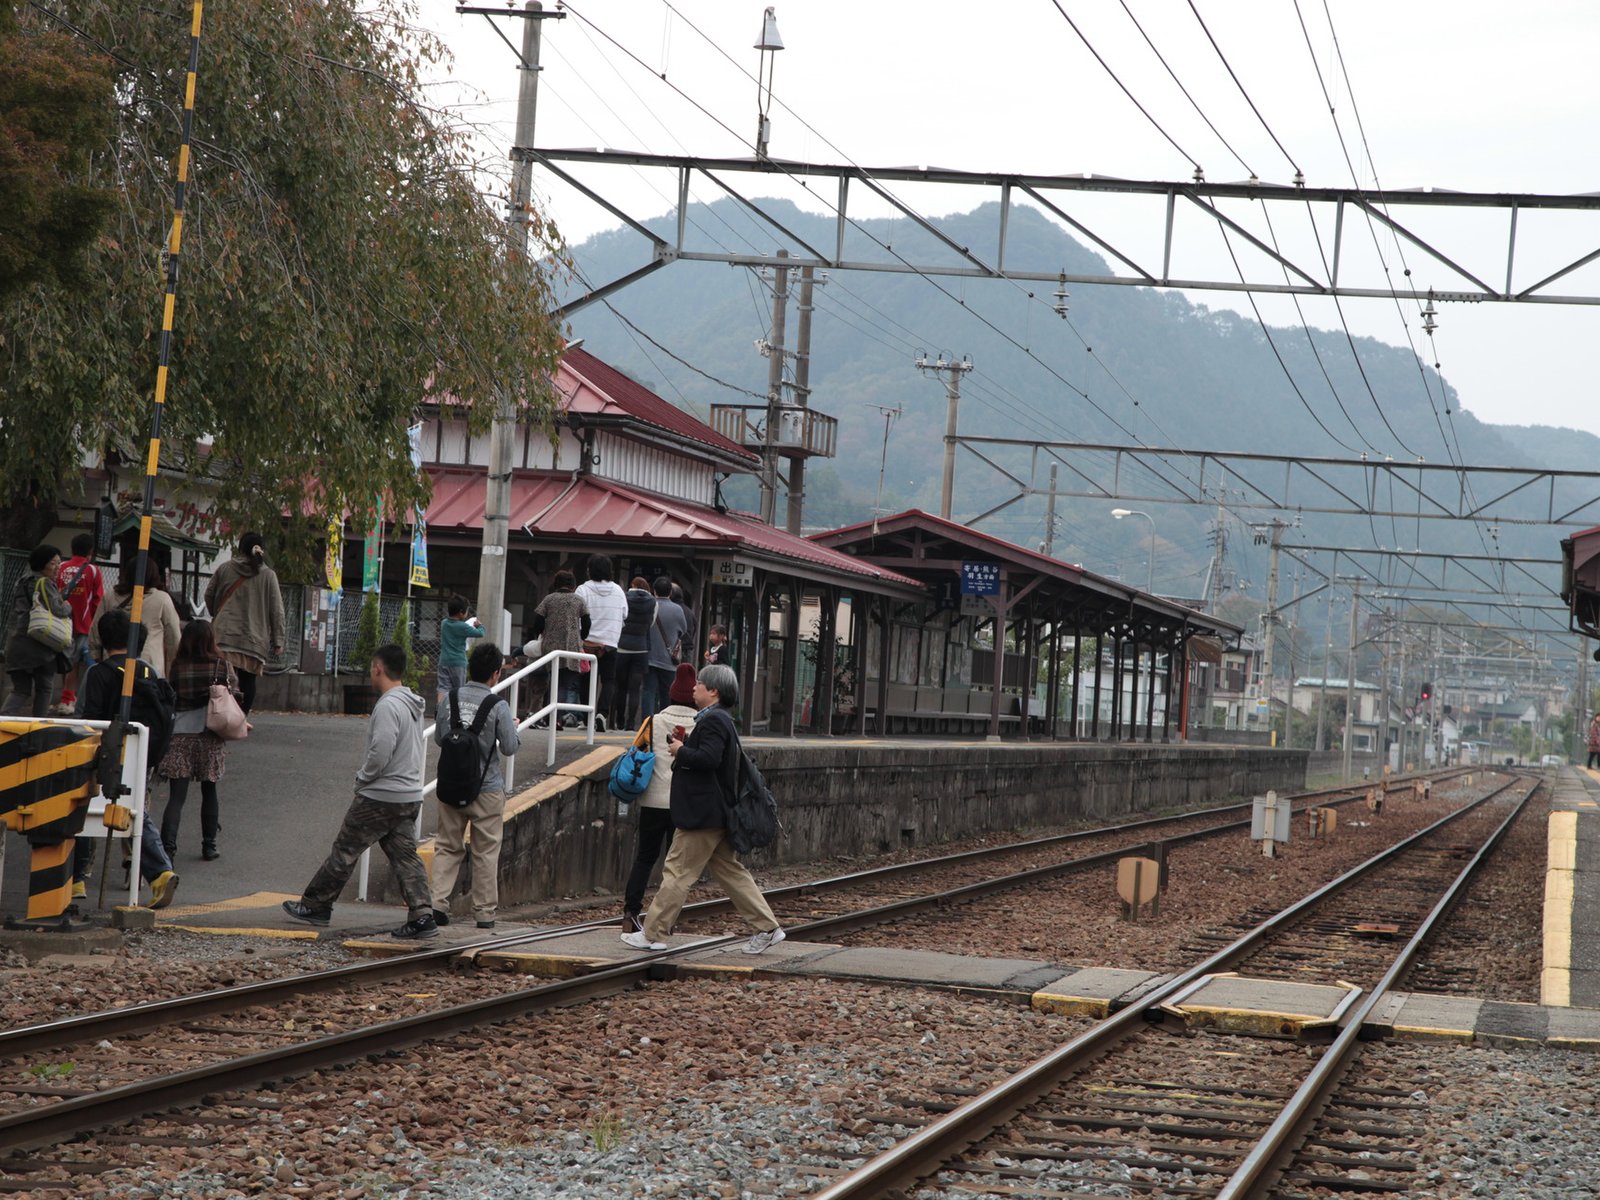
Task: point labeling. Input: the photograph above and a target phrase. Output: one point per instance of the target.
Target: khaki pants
(693, 851)
(486, 815)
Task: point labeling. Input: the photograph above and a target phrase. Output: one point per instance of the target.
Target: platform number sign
(980, 579)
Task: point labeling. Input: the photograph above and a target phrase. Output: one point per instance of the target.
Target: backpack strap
(479, 720)
(455, 710)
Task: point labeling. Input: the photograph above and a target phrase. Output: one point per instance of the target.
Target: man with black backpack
(475, 727)
(154, 703)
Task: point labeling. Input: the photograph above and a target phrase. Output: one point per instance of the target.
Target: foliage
(340, 263)
(402, 636)
(606, 1131)
(367, 634)
(58, 1070)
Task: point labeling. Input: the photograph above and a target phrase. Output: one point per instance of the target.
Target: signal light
(1427, 692)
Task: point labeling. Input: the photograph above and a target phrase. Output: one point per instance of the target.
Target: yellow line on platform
(253, 900)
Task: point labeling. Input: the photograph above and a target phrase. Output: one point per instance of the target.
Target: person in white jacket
(655, 806)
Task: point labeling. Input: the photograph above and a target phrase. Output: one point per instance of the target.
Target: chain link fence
(13, 566)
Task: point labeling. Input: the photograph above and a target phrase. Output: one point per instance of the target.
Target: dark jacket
(705, 772)
(154, 701)
(22, 652)
(635, 637)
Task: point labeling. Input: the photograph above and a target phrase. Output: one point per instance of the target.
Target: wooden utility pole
(774, 351)
(802, 396)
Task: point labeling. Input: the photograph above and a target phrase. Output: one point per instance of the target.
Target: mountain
(1157, 368)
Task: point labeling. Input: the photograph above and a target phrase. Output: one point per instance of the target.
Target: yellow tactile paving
(253, 900)
(1559, 888)
(247, 931)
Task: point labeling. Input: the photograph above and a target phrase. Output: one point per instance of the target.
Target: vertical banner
(372, 553)
(419, 551)
(334, 567)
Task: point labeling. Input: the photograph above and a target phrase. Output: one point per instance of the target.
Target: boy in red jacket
(83, 587)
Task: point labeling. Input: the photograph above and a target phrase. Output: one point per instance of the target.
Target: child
(453, 635)
(718, 648)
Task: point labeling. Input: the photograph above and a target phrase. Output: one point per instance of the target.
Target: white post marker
(1270, 816)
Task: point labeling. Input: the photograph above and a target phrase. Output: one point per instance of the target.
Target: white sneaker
(762, 942)
(639, 942)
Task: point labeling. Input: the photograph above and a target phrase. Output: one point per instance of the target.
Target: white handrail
(553, 710)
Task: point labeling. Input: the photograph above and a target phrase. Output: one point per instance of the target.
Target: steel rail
(904, 1165)
(1268, 1158)
(50, 1035)
(49, 1124)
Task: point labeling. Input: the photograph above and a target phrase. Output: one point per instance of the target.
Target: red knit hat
(683, 686)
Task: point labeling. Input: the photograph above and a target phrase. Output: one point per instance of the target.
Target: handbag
(630, 774)
(224, 717)
(44, 627)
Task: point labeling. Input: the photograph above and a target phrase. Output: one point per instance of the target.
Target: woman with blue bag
(655, 802)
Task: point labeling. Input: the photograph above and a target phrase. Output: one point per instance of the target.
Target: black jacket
(705, 773)
(635, 637)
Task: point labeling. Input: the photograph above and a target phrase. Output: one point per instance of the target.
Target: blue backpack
(630, 774)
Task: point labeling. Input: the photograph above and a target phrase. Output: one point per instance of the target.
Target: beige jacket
(658, 794)
(247, 619)
(161, 628)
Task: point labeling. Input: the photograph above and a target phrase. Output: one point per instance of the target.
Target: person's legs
(449, 849)
(153, 860)
(398, 841)
(691, 850)
(655, 828)
(364, 822)
(19, 701)
(172, 818)
(247, 690)
(625, 690)
(607, 666)
(657, 685)
(210, 819)
(487, 814)
(734, 877)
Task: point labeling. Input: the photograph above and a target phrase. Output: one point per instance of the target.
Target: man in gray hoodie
(384, 811)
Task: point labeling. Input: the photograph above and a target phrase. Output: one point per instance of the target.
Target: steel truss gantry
(1481, 267)
(1297, 483)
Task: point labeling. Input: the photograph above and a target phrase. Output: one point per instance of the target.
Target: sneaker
(764, 941)
(162, 888)
(80, 890)
(299, 910)
(485, 924)
(599, 723)
(639, 942)
(422, 927)
(633, 922)
(441, 918)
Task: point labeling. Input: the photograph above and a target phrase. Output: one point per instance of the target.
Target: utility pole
(953, 370)
(502, 433)
(1322, 695)
(1270, 622)
(1288, 709)
(1350, 673)
(802, 395)
(774, 352)
(1050, 517)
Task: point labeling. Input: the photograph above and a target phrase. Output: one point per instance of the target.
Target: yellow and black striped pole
(169, 308)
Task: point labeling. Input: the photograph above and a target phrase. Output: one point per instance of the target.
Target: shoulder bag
(224, 717)
(630, 774)
(753, 822)
(44, 627)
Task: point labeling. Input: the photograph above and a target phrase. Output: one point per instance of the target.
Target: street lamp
(1119, 513)
(769, 45)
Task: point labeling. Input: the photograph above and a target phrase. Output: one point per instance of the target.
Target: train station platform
(1225, 1003)
(287, 787)
(1572, 891)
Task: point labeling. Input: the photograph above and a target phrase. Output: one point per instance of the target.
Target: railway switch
(48, 775)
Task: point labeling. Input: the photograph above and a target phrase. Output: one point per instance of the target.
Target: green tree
(367, 634)
(340, 264)
(55, 110)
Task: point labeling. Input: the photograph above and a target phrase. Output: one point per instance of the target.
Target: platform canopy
(1580, 579)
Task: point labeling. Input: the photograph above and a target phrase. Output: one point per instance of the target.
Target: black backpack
(753, 815)
(461, 769)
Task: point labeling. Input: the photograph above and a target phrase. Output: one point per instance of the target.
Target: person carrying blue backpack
(655, 803)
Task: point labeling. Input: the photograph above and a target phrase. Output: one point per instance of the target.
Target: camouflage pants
(392, 828)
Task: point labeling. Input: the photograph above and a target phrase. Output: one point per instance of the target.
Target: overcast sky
(1469, 95)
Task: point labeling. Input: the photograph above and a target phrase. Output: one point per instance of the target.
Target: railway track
(180, 1026)
(1125, 1108)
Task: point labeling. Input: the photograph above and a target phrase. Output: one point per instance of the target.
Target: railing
(551, 713)
(803, 431)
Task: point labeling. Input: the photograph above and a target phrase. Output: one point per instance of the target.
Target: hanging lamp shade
(770, 38)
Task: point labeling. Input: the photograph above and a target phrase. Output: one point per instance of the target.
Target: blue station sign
(980, 579)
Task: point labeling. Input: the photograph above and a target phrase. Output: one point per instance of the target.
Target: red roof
(596, 387)
(559, 505)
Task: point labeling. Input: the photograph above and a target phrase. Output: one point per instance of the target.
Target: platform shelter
(1000, 621)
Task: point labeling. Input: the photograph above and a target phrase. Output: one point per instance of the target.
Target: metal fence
(13, 566)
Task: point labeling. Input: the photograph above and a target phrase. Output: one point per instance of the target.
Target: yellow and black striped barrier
(47, 777)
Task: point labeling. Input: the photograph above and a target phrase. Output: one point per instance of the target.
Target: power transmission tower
(952, 370)
(773, 349)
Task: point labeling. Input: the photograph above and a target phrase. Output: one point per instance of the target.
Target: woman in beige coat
(247, 614)
(159, 645)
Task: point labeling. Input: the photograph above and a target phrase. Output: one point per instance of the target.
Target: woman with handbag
(655, 806)
(41, 634)
(208, 712)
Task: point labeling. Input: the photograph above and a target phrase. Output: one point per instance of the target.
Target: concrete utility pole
(1322, 692)
(774, 350)
(802, 396)
(1350, 674)
(502, 433)
(1049, 547)
(1288, 709)
(1270, 621)
(952, 370)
